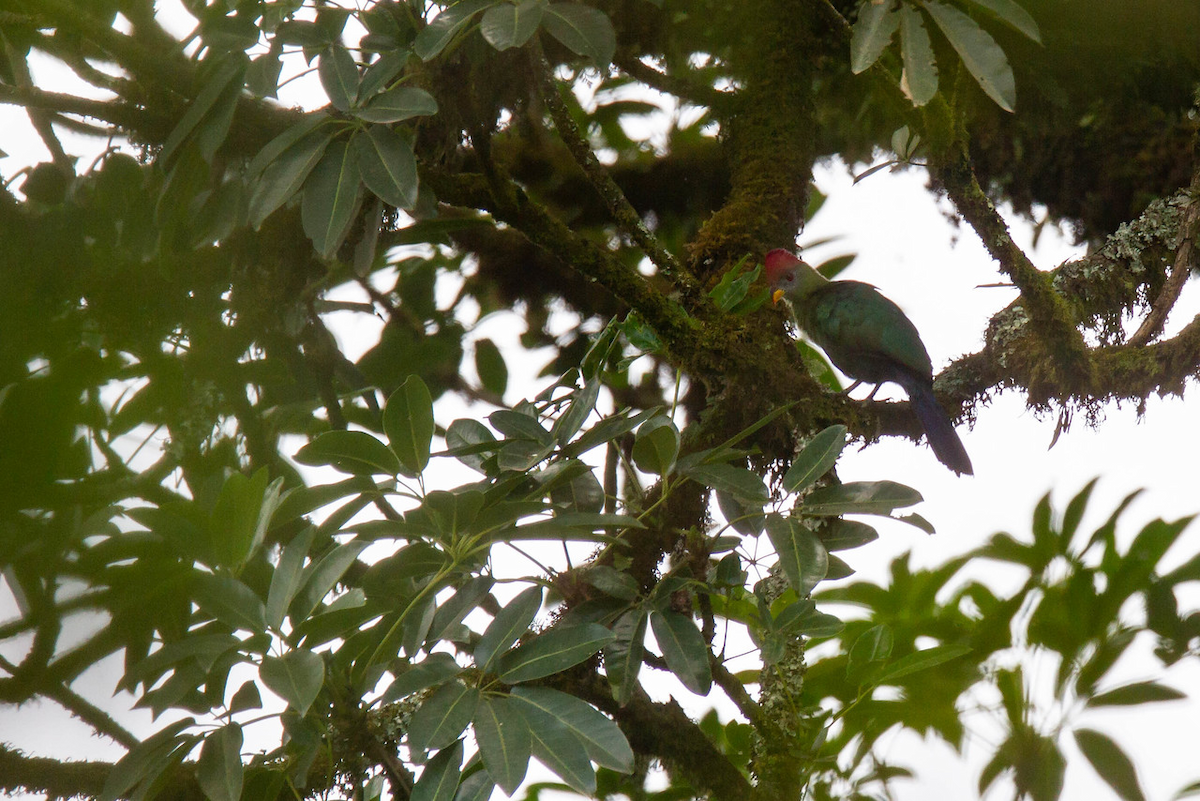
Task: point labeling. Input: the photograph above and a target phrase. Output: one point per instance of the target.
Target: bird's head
(784, 272)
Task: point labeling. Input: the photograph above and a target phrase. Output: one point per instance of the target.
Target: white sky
(909, 250)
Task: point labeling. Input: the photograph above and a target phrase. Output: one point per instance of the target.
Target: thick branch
(1049, 315)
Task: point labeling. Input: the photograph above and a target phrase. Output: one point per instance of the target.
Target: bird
(868, 338)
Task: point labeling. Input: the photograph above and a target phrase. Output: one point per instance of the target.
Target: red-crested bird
(868, 338)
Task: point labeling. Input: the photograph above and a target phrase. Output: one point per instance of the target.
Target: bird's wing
(860, 329)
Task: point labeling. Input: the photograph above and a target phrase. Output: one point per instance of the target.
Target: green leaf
(331, 197)
(920, 72)
(922, 660)
(457, 607)
(434, 37)
(219, 769)
(321, 577)
(802, 557)
(684, 649)
(607, 430)
(745, 518)
(814, 461)
(979, 52)
(553, 651)
(506, 628)
(860, 497)
(1073, 514)
(440, 777)
(489, 364)
(584, 29)
(284, 174)
(478, 786)
(602, 739)
(247, 697)
(581, 494)
(287, 577)
(623, 656)
(230, 601)
(842, 535)
(388, 166)
(408, 422)
(563, 753)
(469, 440)
(1111, 762)
(583, 402)
(873, 645)
(872, 31)
(744, 485)
(656, 445)
(397, 104)
(296, 677)
(518, 425)
(733, 287)
(613, 582)
(222, 88)
(442, 717)
(1014, 15)
(434, 669)
(505, 742)
(146, 760)
(511, 24)
(339, 76)
(1142, 692)
(355, 452)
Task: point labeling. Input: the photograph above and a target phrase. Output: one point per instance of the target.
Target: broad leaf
(511, 24)
(219, 769)
(584, 29)
(603, 740)
(354, 452)
(321, 577)
(339, 76)
(439, 779)
(746, 486)
(553, 651)
(872, 31)
(511, 622)
(397, 104)
(1111, 762)
(504, 741)
(388, 166)
(408, 421)
(561, 751)
(296, 677)
(442, 717)
(814, 461)
(434, 669)
(1014, 15)
(1142, 692)
(285, 173)
(623, 656)
(922, 660)
(434, 37)
(979, 52)
(920, 71)
(656, 445)
(286, 580)
(331, 197)
(684, 649)
(802, 557)
(230, 601)
(860, 497)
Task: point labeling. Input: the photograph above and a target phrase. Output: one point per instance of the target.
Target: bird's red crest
(777, 262)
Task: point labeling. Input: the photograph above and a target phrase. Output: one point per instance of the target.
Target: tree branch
(618, 205)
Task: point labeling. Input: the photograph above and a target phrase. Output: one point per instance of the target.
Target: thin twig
(703, 94)
(1185, 251)
(618, 205)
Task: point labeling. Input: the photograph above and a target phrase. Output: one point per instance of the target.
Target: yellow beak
(776, 295)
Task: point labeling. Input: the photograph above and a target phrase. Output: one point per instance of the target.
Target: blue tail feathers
(947, 447)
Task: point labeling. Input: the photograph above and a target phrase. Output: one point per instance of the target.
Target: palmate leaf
(439, 780)
(408, 421)
(296, 677)
(1013, 15)
(511, 622)
(802, 557)
(601, 738)
(339, 76)
(443, 716)
(820, 454)
(860, 497)
(684, 649)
